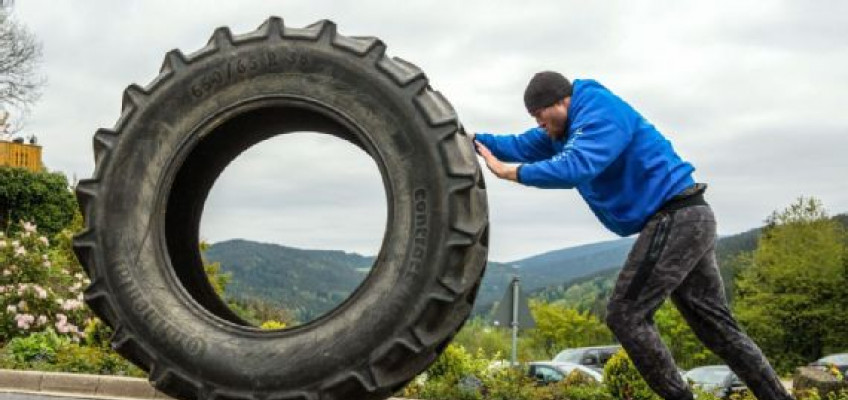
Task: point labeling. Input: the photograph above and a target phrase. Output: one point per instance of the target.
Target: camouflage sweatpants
(675, 256)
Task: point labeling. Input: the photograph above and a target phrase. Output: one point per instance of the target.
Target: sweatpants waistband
(693, 196)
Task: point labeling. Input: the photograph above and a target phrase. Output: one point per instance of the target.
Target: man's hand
(501, 170)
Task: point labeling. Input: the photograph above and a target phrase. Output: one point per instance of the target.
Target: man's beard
(556, 134)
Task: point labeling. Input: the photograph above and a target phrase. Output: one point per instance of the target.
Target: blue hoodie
(618, 161)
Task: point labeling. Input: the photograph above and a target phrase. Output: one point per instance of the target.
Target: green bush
(48, 351)
(624, 382)
(36, 348)
(94, 360)
(583, 392)
(579, 378)
(455, 363)
(814, 395)
(512, 384)
(442, 388)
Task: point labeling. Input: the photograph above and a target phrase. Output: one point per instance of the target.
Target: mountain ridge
(312, 282)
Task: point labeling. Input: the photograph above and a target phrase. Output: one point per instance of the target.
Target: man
(589, 139)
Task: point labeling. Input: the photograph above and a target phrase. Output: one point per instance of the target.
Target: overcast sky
(754, 94)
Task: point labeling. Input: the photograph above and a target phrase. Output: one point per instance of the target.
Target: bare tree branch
(20, 54)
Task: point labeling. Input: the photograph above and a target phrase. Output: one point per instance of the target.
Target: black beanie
(544, 89)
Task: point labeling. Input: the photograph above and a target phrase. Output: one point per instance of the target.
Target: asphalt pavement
(40, 396)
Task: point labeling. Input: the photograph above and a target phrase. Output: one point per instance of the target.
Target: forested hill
(591, 292)
(306, 282)
(592, 269)
(311, 282)
(553, 267)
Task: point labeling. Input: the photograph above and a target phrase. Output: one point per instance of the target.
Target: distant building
(20, 154)
(15, 152)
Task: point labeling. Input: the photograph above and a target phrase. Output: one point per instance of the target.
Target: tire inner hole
(289, 214)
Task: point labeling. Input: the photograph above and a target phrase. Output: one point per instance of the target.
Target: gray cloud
(752, 94)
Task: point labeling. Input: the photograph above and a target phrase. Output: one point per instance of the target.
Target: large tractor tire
(154, 170)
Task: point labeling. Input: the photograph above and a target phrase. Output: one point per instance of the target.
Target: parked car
(592, 357)
(716, 379)
(839, 360)
(547, 372)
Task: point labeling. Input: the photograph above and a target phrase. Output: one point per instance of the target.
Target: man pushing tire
(589, 139)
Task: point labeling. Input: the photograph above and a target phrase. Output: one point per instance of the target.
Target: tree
(253, 310)
(42, 198)
(687, 350)
(217, 279)
(479, 336)
(20, 54)
(791, 296)
(559, 327)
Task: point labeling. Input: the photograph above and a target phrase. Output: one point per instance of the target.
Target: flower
(71, 304)
(11, 309)
(20, 251)
(43, 240)
(29, 227)
(46, 264)
(24, 320)
(6, 272)
(2, 244)
(62, 324)
(42, 320)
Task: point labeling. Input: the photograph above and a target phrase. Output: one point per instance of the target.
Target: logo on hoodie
(569, 144)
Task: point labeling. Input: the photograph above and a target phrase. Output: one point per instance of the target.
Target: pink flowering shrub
(40, 288)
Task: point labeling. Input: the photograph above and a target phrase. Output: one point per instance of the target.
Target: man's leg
(669, 247)
(701, 301)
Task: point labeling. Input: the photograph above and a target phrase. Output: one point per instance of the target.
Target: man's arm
(501, 170)
(590, 150)
(532, 145)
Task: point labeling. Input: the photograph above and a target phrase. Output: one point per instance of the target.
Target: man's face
(552, 118)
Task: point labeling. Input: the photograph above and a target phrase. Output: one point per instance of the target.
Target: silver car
(593, 357)
(715, 379)
(839, 360)
(547, 372)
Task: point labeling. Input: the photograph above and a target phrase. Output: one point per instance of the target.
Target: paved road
(40, 396)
